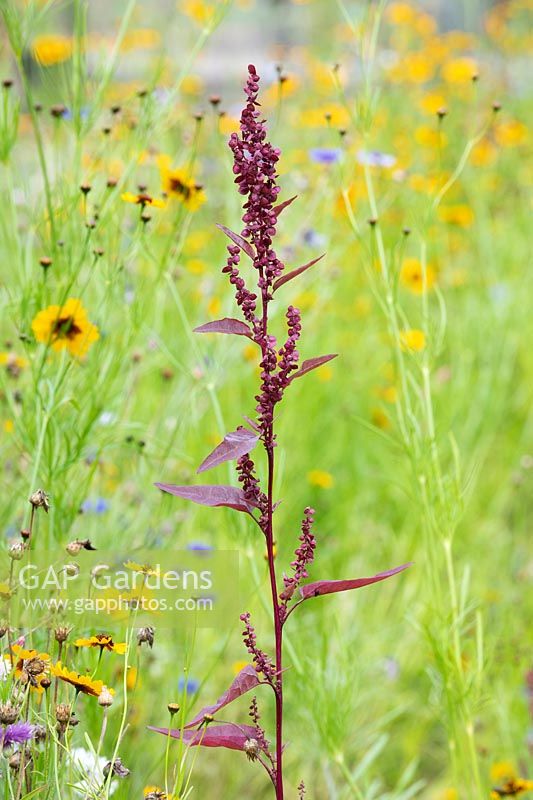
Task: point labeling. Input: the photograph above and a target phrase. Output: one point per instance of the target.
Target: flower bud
(105, 698)
(16, 550)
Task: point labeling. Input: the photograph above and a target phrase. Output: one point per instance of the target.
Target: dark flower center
(65, 328)
(179, 187)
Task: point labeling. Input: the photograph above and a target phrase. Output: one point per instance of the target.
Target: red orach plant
(254, 167)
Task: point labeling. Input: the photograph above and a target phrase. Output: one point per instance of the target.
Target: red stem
(278, 630)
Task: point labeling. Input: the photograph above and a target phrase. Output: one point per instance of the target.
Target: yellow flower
(459, 70)
(104, 642)
(143, 199)
(65, 326)
(156, 793)
(432, 102)
(459, 214)
(401, 13)
(510, 133)
(320, 478)
(413, 339)
(412, 277)
(132, 678)
(430, 137)
(199, 11)
(9, 426)
(196, 266)
(502, 771)
(178, 183)
(51, 49)
(213, 306)
(31, 667)
(484, 153)
(145, 569)
(13, 363)
(140, 39)
(82, 683)
(389, 394)
(227, 124)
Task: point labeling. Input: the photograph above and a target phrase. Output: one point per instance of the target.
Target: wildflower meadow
(266, 450)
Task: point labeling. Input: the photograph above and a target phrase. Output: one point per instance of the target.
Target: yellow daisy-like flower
(145, 569)
(142, 199)
(179, 183)
(65, 326)
(320, 478)
(82, 683)
(414, 340)
(459, 70)
(51, 49)
(156, 793)
(104, 642)
(512, 788)
(459, 214)
(31, 667)
(412, 276)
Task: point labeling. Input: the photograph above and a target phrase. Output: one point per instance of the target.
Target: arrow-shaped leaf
(234, 445)
(295, 272)
(226, 325)
(228, 735)
(332, 587)
(214, 496)
(246, 680)
(312, 363)
(279, 208)
(237, 239)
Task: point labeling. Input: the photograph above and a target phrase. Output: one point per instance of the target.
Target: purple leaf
(228, 735)
(234, 445)
(295, 272)
(279, 208)
(226, 325)
(246, 679)
(214, 496)
(331, 587)
(312, 363)
(245, 246)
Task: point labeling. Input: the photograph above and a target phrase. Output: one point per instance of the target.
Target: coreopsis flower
(320, 478)
(31, 667)
(51, 49)
(82, 683)
(65, 327)
(104, 642)
(413, 339)
(412, 276)
(178, 183)
(156, 793)
(143, 199)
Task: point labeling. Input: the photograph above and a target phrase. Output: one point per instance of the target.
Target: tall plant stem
(278, 630)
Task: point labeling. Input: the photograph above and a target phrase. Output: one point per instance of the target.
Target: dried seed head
(40, 734)
(441, 112)
(146, 635)
(8, 713)
(117, 768)
(61, 634)
(39, 499)
(496, 106)
(207, 719)
(7, 83)
(85, 188)
(25, 533)
(3, 631)
(105, 698)
(73, 548)
(72, 570)
(45, 262)
(173, 708)
(16, 550)
(58, 110)
(251, 748)
(63, 713)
